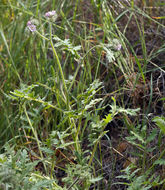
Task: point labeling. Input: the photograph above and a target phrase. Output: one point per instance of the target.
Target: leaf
(47, 150)
(43, 183)
(3, 159)
(159, 162)
(67, 45)
(65, 145)
(24, 154)
(108, 118)
(152, 136)
(132, 112)
(138, 137)
(92, 103)
(110, 54)
(96, 179)
(160, 122)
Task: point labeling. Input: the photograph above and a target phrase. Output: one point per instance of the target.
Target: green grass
(78, 89)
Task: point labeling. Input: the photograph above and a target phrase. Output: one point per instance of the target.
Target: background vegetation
(82, 94)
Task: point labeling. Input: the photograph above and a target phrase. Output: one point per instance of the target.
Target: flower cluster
(116, 44)
(31, 26)
(118, 47)
(51, 15)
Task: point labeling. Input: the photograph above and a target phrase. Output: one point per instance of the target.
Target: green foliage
(145, 181)
(66, 45)
(160, 122)
(144, 177)
(79, 176)
(140, 138)
(59, 139)
(116, 110)
(136, 182)
(17, 171)
(55, 84)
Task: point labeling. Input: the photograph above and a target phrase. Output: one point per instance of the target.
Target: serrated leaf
(160, 122)
(152, 136)
(138, 137)
(108, 118)
(43, 183)
(159, 162)
(65, 145)
(92, 103)
(47, 150)
(132, 112)
(109, 54)
(96, 179)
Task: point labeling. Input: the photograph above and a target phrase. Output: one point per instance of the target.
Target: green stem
(77, 145)
(77, 133)
(38, 6)
(75, 9)
(59, 66)
(93, 153)
(41, 35)
(71, 121)
(35, 135)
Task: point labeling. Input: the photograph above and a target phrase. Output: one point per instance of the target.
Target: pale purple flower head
(50, 14)
(118, 47)
(29, 23)
(31, 26)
